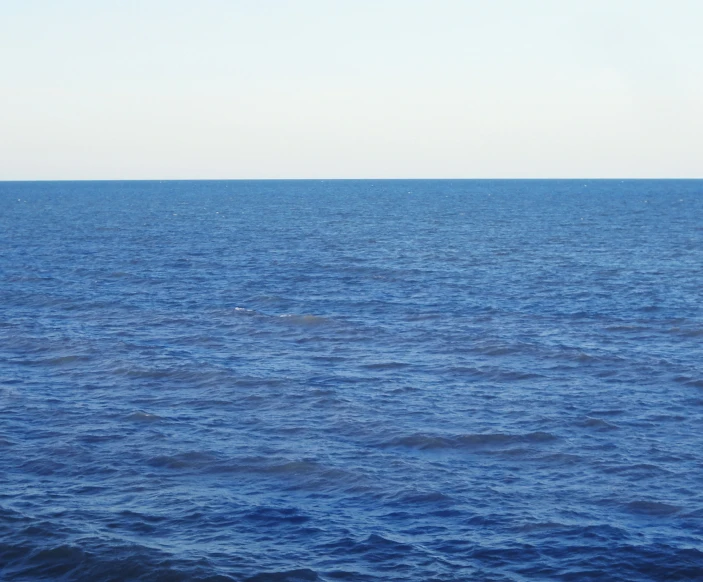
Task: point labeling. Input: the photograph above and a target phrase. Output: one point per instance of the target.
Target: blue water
(351, 380)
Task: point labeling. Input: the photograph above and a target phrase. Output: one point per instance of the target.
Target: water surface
(351, 380)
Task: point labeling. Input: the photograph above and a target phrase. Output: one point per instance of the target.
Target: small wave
(301, 575)
(541, 526)
(429, 497)
(375, 547)
(188, 460)
(258, 382)
(141, 416)
(9, 392)
(276, 515)
(43, 467)
(638, 470)
(513, 375)
(656, 508)
(690, 381)
(598, 424)
(183, 374)
(292, 467)
(607, 412)
(385, 365)
(101, 562)
(627, 328)
(64, 360)
(100, 438)
(245, 311)
(57, 561)
(686, 332)
(312, 473)
(496, 374)
(562, 458)
(11, 515)
(466, 370)
(422, 316)
(144, 373)
(423, 441)
(305, 320)
(499, 351)
(378, 540)
(667, 418)
(53, 361)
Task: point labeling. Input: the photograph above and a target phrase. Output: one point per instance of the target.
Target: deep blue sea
(351, 381)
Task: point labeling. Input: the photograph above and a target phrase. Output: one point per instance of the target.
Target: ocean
(351, 380)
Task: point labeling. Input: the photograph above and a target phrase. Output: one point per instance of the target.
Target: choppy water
(351, 380)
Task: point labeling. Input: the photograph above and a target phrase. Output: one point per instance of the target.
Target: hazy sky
(350, 88)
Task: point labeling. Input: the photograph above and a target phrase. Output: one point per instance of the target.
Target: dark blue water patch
(351, 380)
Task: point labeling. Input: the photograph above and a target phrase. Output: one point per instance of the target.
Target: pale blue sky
(107, 89)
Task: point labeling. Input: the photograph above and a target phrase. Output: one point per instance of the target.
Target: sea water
(351, 380)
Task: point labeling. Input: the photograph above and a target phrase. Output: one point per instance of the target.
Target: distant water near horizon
(350, 380)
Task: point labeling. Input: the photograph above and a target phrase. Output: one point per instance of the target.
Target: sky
(249, 89)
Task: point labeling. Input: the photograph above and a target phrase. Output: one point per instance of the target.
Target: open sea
(285, 381)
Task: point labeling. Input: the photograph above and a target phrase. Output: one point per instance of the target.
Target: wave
(386, 365)
(597, 424)
(305, 320)
(694, 381)
(299, 575)
(185, 460)
(100, 560)
(656, 508)
(424, 441)
(141, 416)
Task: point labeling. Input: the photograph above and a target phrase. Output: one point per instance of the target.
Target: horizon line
(2, 180)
